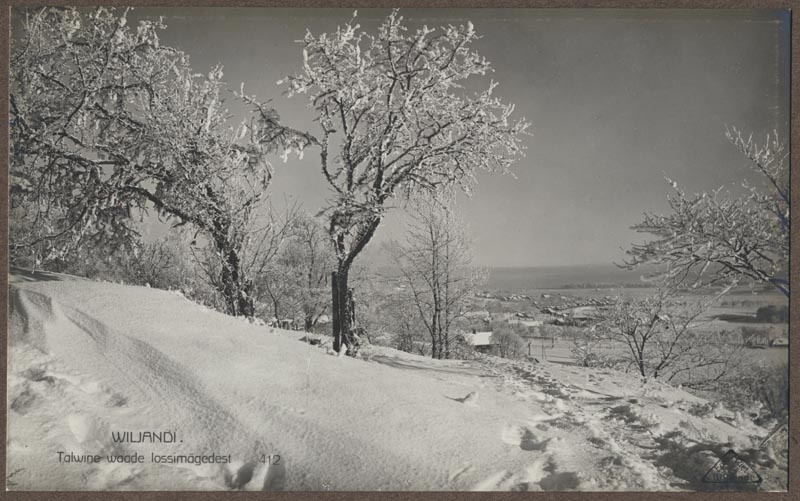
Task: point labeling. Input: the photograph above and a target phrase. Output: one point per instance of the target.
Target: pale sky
(618, 99)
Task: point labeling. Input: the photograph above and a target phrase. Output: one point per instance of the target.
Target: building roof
(526, 323)
(479, 313)
(583, 312)
(479, 338)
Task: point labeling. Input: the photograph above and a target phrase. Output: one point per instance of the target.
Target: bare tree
(396, 120)
(435, 260)
(726, 236)
(661, 337)
(310, 243)
(388, 318)
(584, 344)
(507, 342)
(293, 269)
(264, 236)
(153, 262)
(407, 328)
(107, 123)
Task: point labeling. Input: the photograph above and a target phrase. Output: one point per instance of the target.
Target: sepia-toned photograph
(328, 249)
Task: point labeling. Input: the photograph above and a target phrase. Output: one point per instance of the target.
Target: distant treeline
(608, 285)
(773, 314)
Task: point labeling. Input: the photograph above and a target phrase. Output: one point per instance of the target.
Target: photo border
(794, 263)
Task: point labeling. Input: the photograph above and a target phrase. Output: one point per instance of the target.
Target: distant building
(583, 313)
(481, 341)
(483, 315)
(757, 341)
(525, 322)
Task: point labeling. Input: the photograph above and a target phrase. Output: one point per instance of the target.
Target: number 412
(271, 459)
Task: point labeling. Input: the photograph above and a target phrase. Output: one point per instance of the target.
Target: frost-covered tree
(436, 263)
(396, 118)
(107, 123)
(403, 324)
(507, 342)
(661, 336)
(584, 344)
(160, 263)
(259, 241)
(294, 285)
(724, 236)
(310, 245)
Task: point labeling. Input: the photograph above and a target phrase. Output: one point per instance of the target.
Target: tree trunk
(434, 340)
(276, 310)
(342, 311)
(234, 289)
(336, 328)
(343, 308)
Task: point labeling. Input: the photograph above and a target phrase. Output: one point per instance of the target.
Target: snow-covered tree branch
(722, 236)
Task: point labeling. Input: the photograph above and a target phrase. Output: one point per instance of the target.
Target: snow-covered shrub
(584, 345)
(773, 314)
(162, 264)
(507, 343)
(659, 336)
(758, 389)
(702, 409)
(461, 350)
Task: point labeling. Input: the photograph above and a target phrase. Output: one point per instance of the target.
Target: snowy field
(89, 361)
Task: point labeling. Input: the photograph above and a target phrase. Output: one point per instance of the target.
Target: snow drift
(90, 361)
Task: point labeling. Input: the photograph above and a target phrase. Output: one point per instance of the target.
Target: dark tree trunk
(276, 310)
(234, 287)
(343, 312)
(335, 326)
(343, 307)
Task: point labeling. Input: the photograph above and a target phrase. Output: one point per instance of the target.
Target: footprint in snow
(524, 438)
(459, 472)
(242, 477)
(116, 400)
(470, 399)
(276, 477)
(529, 442)
(38, 374)
(560, 481)
(24, 401)
(499, 481)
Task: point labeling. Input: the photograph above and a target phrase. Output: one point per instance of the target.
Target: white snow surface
(90, 358)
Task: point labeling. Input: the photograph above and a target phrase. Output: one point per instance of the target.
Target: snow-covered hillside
(88, 360)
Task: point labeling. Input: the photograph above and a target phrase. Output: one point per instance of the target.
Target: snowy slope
(87, 359)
